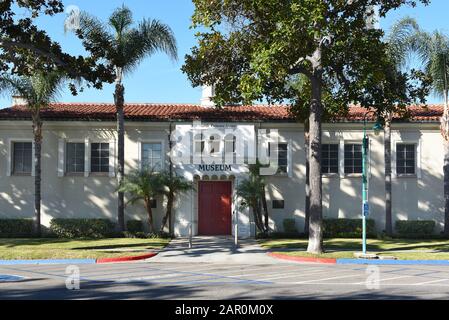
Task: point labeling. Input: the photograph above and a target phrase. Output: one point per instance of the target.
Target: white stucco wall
(417, 198)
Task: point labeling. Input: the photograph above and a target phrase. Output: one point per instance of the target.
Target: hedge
(16, 228)
(414, 228)
(82, 228)
(134, 226)
(348, 228)
(290, 226)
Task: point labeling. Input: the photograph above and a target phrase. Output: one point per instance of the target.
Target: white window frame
(62, 157)
(112, 148)
(418, 146)
(342, 161)
(337, 174)
(163, 151)
(289, 172)
(10, 160)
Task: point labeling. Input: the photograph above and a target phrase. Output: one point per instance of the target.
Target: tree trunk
(167, 216)
(388, 199)
(37, 132)
(307, 202)
(265, 210)
(315, 245)
(150, 214)
(446, 187)
(119, 99)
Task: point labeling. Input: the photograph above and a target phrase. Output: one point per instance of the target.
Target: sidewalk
(215, 250)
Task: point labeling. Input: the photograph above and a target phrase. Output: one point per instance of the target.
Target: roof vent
(207, 95)
(18, 101)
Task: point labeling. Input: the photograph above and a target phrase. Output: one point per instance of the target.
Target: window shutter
(393, 159)
(61, 157)
(112, 158)
(140, 146)
(86, 158)
(9, 160)
(33, 162)
(418, 160)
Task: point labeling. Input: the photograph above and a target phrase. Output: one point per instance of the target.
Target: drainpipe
(170, 170)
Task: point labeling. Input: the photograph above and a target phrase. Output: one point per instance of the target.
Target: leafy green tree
(173, 185)
(432, 50)
(250, 49)
(25, 48)
(123, 47)
(38, 91)
(143, 184)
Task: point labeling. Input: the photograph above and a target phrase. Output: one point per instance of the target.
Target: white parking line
(429, 282)
(325, 279)
(386, 279)
(298, 274)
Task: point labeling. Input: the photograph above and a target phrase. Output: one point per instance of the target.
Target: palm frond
(93, 31)
(121, 20)
(159, 37)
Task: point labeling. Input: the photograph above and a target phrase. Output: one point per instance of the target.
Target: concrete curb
(394, 262)
(76, 261)
(359, 261)
(124, 259)
(302, 259)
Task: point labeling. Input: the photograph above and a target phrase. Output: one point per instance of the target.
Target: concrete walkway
(214, 250)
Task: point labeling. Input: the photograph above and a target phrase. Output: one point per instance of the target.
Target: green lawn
(76, 249)
(344, 248)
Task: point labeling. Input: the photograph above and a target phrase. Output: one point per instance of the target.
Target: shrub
(16, 228)
(348, 228)
(134, 226)
(415, 229)
(82, 228)
(290, 226)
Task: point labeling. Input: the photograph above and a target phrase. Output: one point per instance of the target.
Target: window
(282, 156)
(278, 204)
(353, 158)
(214, 145)
(152, 156)
(99, 157)
(230, 141)
(198, 144)
(75, 157)
(153, 203)
(329, 158)
(22, 158)
(406, 158)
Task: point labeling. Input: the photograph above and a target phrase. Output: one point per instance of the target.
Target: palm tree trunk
(316, 208)
(119, 99)
(150, 214)
(307, 202)
(168, 212)
(388, 194)
(445, 132)
(37, 132)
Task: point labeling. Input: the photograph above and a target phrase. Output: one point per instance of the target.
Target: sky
(160, 80)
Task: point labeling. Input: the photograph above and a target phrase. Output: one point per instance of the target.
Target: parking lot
(155, 280)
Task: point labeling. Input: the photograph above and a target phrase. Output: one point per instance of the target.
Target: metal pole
(190, 235)
(236, 229)
(364, 185)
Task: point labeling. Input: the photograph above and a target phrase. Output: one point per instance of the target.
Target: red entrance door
(214, 208)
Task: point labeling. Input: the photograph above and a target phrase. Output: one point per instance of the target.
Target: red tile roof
(167, 112)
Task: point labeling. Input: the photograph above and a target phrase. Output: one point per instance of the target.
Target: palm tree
(125, 48)
(38, 91)
(173, 185)
(143, 184)
(432, 49)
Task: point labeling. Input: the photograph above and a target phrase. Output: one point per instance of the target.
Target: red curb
(124, 259)
(302, 259)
